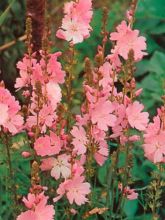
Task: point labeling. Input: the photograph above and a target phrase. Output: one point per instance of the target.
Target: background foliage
(150, 20)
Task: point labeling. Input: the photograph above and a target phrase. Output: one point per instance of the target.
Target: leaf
(122, 160)
(151, 9)
(142, 67)
(160, 29)
(102, 172)
(5, 13)
(157, 63)
(130, 207)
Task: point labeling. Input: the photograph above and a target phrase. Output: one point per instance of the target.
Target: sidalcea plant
(70, 147)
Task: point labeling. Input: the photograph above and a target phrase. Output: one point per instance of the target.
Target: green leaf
(122, 159)
(151, 9)
(160, 29)
(5, 13)
(142, 67)
(102, 172)
(157, 63)
(130, 207)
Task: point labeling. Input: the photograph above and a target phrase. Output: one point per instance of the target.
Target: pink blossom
(54, 93)
(154, 147)
(54, 68)
(73, 31)
(47, 164)
(26, 154)
(79, 140)
(128, 39)
(76, 10)
(45, 120)
(154, 141)
(42, 146)
(61, 167)
(3, 113)
(136, 118)
(130, 193)
(77, 168)
(47, 145)
(9, 110)
(153, 128)
(101, 153)
(39, 210)
(121, 121)
(114, 60)
(25, 67)
(101, 113)
(106, 71)
(75, 189)
(75, 24)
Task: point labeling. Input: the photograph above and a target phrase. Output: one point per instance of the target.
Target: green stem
(111, 182)
(121, 201)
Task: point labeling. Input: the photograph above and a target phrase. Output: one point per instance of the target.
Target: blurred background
(150, 73)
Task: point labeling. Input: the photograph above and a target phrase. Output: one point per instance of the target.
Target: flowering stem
(126, 171)
(111, 181)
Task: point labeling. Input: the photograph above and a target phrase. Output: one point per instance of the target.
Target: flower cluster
(38, 208)
(10, 119)
(154, 138)
(76, 22)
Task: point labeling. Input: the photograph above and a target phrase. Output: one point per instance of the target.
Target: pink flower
(76, 10)
(48, 145)
(121, 121)
(154, 147)
(9, 111)
(3, 113)
(154, 141)
(54, 68)
(136, 118)
(73, 31)
(128, 39)
(79, 140)
(106, 71)
(101, 153)
(43, 147)
(54, 93)
(75, 24)
(46, 118)
(101, 113)
(39, 208)
(153, 128)
(61, 167)
(129, 193)
(47, 164)
(75, 189)
(114, 60)
(26, 154)
(25, 67)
